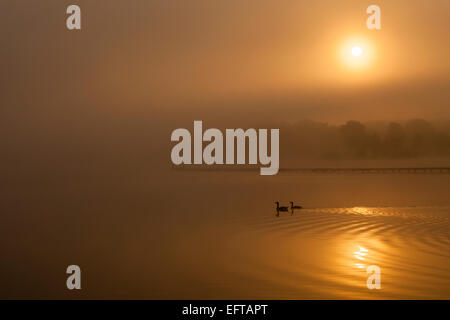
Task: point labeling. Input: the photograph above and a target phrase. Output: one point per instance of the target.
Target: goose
(294, 207)
(283, 209)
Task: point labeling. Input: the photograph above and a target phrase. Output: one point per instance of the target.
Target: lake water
(323, 253)
(211, 235)
(234, 246)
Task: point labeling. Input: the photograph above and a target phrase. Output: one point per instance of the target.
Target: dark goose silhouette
(282, 209)
(294, 207)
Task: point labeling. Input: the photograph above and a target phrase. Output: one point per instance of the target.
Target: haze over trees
(411, 139)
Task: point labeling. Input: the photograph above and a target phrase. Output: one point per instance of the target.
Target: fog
(415, 138)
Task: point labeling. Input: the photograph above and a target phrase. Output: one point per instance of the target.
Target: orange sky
(164, 53)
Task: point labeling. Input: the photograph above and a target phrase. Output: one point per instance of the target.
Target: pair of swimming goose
(286, 209)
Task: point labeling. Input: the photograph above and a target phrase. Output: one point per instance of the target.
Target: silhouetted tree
(421, 136)
(355, 138)
(416, 138)
(394, 141)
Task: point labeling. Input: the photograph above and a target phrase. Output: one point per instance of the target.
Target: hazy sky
(254, 56)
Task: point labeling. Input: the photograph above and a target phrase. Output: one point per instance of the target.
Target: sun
(357, 51)
(357, 54)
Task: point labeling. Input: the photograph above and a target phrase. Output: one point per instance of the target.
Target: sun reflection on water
(362, 210)
(360, 255)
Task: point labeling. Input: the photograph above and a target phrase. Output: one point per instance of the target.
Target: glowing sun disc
(356, 51)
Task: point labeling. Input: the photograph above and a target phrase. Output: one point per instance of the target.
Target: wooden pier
(371, 170)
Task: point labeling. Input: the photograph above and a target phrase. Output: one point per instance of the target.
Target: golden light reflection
(356, 255)
(362, 210)
(360, 256)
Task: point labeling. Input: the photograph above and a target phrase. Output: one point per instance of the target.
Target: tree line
(354, 139)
